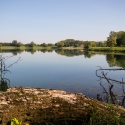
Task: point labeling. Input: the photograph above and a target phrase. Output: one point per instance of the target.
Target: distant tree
(60, 44)
(32, 44)
(99, 44)
(50, 44)
(87, 44)
(19, 44)
(111, 41)
(76, 45)
(14, 43)
(69, 42)
(104, 43)
(120, 38)
(92, 44)
(44, 44)
(113, 34)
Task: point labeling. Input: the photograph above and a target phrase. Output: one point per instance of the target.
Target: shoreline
(33, 105)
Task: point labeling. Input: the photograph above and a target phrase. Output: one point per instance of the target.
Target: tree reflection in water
(116, 60)
(109, 95)
(5, 82)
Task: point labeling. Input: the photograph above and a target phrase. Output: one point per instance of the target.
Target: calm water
(72, 71)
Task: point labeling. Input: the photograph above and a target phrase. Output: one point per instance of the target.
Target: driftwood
(108, 95)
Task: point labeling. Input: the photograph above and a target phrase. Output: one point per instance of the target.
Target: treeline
(62, 43)
(69, 42)
(114, 39)
(31, 44)
(14, 43)
(78, 43)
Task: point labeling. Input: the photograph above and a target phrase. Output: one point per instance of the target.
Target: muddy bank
(36, 105)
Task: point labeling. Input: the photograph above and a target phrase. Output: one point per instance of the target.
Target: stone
(3, 103)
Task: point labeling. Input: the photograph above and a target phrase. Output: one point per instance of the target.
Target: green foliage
(15, 121)
(111, 41)
(101, 44)
(69, 42)
(86, 44)
(32, 44)
(116, 38)
(19, 44)
(44, 45)
(50, 44)
(98, 117)
(109, 115)
(120, 38)
(14, 42)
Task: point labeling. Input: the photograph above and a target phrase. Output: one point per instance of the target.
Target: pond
(69, 70)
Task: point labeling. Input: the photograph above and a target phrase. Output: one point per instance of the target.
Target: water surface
(72, 71)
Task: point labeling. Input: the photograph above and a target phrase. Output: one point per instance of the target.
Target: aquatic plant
(4, 82)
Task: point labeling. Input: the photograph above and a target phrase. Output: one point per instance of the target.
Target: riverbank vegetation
(114, 42)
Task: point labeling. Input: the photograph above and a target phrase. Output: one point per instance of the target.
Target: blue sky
(49, 21)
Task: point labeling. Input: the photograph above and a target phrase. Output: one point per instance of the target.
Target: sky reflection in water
(54, 71)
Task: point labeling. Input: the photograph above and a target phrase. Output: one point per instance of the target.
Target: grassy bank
(106, 48)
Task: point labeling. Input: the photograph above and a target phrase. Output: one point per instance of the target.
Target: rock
(3, 103)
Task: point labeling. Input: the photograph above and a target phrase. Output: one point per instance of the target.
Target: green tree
(87, 44)
(111, 41)
(44, 45)
(50, 44)
(113, 34)
(32, 44)
(19, 44)
(60, 44)
(14, 42)
(120, 38)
